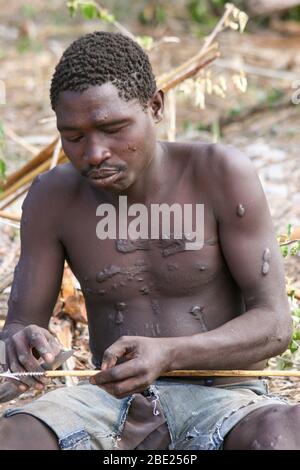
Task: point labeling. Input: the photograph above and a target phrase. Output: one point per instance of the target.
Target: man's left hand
(145, 359)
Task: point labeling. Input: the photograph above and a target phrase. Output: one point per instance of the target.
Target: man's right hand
(26, 349)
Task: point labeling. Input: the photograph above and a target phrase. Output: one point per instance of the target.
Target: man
(153, 305)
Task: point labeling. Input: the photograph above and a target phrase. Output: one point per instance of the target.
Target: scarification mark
(130, 272)
(107, 273)
(101, 292)
(198, 314)
(240, 210)
(155, 306)
(88, 290)
(128, 246)
(144, 290)
(172, 246)
(265, 268)
(172, 266)
(266, 255)
(200, 267)
(122, 283)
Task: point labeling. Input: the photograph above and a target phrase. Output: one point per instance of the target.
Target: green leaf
(145, 41)
(284, 251)
(89, 11)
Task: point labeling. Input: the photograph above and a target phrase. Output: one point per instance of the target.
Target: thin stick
(6, 215)
(22, 142)
(187, 373)
(19, 192)
(290, 242)
(218, 28)
(56, 154)
(29, 177)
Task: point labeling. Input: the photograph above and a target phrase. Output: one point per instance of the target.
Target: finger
(29, 363)
(120, 372)
(114, 352)
(15, 366)
(10, 390)
(127, 387)
(37, 339)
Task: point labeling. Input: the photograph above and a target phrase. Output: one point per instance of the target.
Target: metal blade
(61, 357)
(15, 375)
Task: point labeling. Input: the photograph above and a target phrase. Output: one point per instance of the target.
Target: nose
(96, 155)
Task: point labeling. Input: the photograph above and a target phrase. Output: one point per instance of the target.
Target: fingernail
(93, 381)
(22, 388)
(49, 357)
(39, 386)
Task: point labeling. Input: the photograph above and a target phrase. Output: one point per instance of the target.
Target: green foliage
(27, 44)
(90, 10)
(145, 41)
(292, 14)
(153, 14)
(274, 95)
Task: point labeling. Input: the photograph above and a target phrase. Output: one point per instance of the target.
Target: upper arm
(247, 235)
(38, 274)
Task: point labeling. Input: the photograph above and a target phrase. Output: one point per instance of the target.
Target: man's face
(108, 140)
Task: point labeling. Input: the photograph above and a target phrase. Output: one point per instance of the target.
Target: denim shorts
(198, 417)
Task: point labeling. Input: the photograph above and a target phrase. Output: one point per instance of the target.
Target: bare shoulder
(59, 182)
(221, 161)
(51, 193)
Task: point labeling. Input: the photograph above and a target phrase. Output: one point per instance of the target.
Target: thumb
(116, 351)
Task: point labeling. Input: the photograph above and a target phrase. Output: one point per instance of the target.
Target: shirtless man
(152, 306)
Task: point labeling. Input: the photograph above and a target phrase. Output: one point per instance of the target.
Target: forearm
(253, 336)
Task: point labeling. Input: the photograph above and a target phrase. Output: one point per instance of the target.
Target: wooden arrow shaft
(187, 373)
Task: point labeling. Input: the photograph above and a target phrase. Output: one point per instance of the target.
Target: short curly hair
(101, 57)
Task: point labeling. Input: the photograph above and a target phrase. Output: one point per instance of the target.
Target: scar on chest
(197, 312)
(167, 246)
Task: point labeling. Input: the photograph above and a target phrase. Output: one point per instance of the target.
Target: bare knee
(275, 427)
(24, 432)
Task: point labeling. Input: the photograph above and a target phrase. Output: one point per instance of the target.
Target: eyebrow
(100, 123)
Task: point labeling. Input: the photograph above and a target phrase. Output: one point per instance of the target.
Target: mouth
(104, 177)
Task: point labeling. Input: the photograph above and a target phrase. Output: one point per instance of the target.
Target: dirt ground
(263, 122)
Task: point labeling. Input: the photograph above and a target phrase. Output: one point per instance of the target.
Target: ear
(156, 105)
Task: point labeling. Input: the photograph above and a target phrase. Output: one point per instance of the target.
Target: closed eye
(74, 139)
(113, 130)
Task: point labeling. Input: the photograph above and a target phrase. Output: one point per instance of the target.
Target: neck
(146, 187)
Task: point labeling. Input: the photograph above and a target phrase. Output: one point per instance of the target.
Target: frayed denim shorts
(198, 417)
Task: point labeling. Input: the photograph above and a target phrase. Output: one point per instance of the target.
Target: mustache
(94, 170)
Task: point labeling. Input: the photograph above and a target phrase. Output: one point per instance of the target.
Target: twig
(42, 156)
(218, 28)
(15, 196)
(190, 73)
(55, 155)
(290, 242)
(259, 71)
(7, 222)
(16, 138)
(7, 215)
